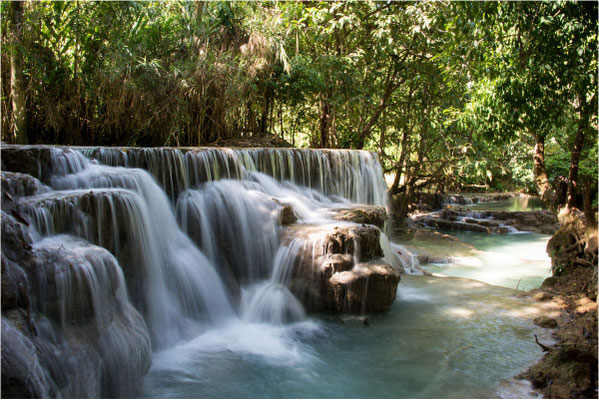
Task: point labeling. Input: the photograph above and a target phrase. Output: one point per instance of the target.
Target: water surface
(442, 337)
(517, 203)
(514, 260)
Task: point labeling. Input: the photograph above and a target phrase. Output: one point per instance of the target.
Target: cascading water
(351, 175)
(185, 254)
(125, 211)
(196, 241)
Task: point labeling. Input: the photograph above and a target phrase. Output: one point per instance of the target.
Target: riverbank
(567, 301)
(569, 368)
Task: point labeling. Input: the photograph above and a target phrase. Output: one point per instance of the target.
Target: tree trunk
(17, 84)
(576, 151)
(324, 124)
(589, 213)
(545, 190)
(404, 146)
(263, 128)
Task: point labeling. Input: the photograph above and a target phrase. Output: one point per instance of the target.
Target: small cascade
(272, 301)
(457, 199)
(234, 225)
(88, 298)
(396, 253)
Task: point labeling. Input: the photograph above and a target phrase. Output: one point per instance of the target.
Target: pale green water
(518, 203)
(442, 338)
(512, 260)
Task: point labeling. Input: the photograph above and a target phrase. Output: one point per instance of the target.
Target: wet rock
(432, 259)
(16, 239)
(17, 184)
(35, 161)
(374, 215)
(545, 322)
(369, 287)
(14, 285)
(22, 374)
(452, 225)
(338, 263)
(531, 221)
(56, 341)
(362, 240)
(337, 268)
(287, 215)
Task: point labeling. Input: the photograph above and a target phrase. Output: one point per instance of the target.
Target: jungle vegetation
(452, 95)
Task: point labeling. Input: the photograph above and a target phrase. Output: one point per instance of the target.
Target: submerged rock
(545, 322)
(433, 259)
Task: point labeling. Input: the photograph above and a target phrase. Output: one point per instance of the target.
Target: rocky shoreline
(492, 222)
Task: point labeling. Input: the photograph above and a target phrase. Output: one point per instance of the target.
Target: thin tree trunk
(404, 144)
(324, 123)
(391, 86)
(576, 151)
(17, 84)
(545, 190)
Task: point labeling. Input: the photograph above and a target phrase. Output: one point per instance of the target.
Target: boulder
(373, 215)
(338, 268)
(368, 287)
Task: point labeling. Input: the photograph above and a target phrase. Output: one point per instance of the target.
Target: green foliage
(449, 94)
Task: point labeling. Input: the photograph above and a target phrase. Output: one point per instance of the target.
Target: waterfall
(125, 211)
(353, 175)
(149, 248)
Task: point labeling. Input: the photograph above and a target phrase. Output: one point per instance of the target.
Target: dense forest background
(452, 95)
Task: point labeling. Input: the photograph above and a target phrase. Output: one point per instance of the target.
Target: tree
(17, 83)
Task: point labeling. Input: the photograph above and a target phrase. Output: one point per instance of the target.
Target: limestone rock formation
(339, 268)
(67, 327)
